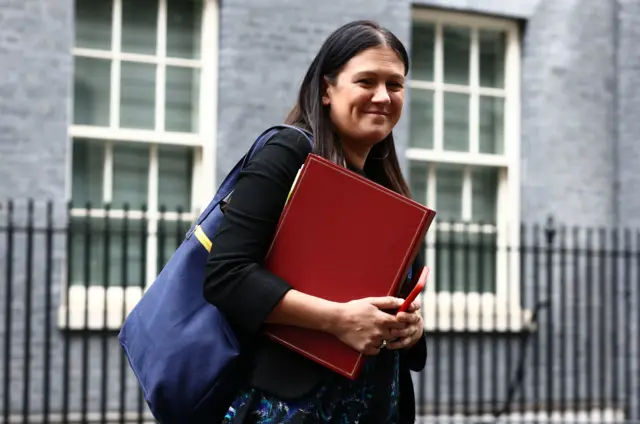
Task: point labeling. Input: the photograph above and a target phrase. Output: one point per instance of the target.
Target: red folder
(342, 237)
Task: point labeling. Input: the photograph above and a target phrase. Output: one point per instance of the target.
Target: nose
(381, 95)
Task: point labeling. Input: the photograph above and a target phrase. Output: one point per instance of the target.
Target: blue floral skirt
(372, 398)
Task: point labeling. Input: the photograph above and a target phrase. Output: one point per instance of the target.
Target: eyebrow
(394, 75)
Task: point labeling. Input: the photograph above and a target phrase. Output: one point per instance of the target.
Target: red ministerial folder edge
(342, 237)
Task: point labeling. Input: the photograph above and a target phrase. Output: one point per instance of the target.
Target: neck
(355, 155)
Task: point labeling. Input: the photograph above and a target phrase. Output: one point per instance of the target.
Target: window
(464, 161)
(142, 137)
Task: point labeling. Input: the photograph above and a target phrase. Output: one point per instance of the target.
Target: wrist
(333, 313)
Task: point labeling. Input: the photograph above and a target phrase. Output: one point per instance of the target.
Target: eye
(366, 82)
(395, 86)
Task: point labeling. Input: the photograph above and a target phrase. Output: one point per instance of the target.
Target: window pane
(137, 108)
(422, 50)
(121, 247)
(130, 175)
(91, 91)
(421, 125)
(93, 23)
(184, 21)
(456, 122)
(457, 48)
(484, 195)
(491, 125)
(183, 95)
(139, 26)
(465, 261)
(449, 193)
(418, 178)
(175, 165)
(492, 58)
(88, 167)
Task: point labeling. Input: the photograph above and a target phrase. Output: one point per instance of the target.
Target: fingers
(400, 343)
(410, 333)
(394, 327)
(374, 347)
(408, 318)
(409, 340)
(407, 330)
(397, 334)
(386, 302)
(398, 339)
(388, 322)
(371, 350)
(415, 306)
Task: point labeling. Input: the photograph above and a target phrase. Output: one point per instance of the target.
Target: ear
(326, 98)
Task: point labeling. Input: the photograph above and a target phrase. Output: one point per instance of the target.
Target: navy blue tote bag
(180, 347)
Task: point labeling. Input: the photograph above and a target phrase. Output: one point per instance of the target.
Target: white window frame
(459, 311)
(203, 175)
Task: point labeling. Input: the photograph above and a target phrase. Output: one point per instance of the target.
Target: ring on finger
(383, 344)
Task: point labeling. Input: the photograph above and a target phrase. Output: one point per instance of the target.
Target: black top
(246, 293)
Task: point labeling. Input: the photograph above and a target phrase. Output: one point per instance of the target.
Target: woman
(350, 99)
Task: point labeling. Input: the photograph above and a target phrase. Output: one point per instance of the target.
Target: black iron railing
(536, 323)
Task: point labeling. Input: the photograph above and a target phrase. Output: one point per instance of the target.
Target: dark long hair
(346, 42)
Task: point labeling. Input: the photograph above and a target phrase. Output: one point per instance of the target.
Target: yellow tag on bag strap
(202, 237)
(206, 242)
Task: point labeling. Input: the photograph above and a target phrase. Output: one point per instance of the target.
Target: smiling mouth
(378, 113)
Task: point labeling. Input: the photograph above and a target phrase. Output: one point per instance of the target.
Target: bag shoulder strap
(266, 136)
(228, 184)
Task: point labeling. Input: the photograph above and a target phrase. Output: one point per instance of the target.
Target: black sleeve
(235, 280)
(417, 355)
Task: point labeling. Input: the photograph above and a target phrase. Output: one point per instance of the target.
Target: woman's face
(366, 99)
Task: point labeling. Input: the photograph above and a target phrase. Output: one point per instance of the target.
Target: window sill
(96, 311)
(79, 418)
(582, 416)
(474, 313)
(443, 312)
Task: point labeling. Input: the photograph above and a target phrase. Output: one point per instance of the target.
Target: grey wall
(628, 149)
(568, 113)
(35, 87)
(523, 9)
(628, 90)
(35, 71)
(36, 37)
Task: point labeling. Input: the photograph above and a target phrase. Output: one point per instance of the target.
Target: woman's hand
(413, 328)
(363, 324)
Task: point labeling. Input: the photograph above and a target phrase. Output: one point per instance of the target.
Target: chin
(374, 136)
